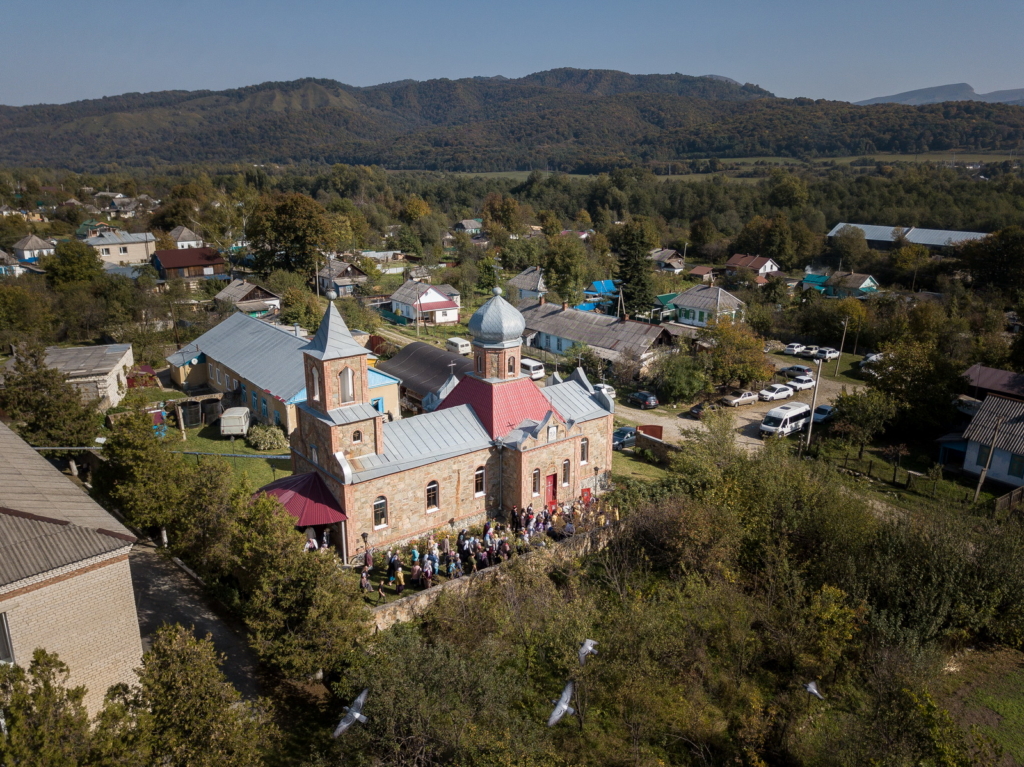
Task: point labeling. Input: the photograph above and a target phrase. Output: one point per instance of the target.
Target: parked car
(801, 382)
(827, 353)
(624, 436)
(793, 349)
(780, 421)
(234, 422)
(458, 346)
(643, 399)
(809, 352)
(793, 371)
(823, 413)
(606, 388)
(739, 397)
(531, 368)
(871, 359)
(774, 392)
(700, 410)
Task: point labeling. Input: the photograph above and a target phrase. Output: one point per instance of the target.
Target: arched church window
(348, 386)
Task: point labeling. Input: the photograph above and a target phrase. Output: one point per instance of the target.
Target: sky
(58, 51)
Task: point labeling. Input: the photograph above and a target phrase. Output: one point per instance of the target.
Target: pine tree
(634, 242)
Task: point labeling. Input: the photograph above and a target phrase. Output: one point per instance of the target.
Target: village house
(996, 433)
(190, 264)
(10, 266)
(97, 372)
(429, 304)
(701, 304)
(92, 227)
(117, 247)
(31, 248)
(469, 226)
(555, 328)
(495, 441)
(702, 273)
(249, 298)
(184, 238)
(260, 366)
(759, 265)
(424, 370)
(341, 277)
(65, 585)
(529, 283)
(850, 285)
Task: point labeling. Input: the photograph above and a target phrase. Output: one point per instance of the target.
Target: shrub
(266, 437)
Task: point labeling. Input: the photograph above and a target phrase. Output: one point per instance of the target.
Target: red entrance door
(552, 494)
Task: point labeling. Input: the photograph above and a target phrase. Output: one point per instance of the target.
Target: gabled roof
(239, 290)
(664, 299)
(740, 261)
(335, 268)
(929, 237)
(607, 335)
(29, 483)
(470, 223)
(663, 254)
(185, 257)
(333, 339)
(531, 278)
(307, 498)
(184, 234)
(377, 378)
(708, 298)
(424, 368)
(603, 287)
(849, 280)
(32, 242)
(423, 439)
(1002, 382)
(574, 402)
(1009, 414)
(500, 405)
(268, 356)
(700, 271)
(115, 237)
(411, 293)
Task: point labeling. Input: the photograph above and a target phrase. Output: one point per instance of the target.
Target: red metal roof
(502, 405)
(183, 257)
(433, 305)
(306, 498)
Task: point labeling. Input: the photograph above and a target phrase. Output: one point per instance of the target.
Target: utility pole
(814, 403)
(988, 462)
(842, 343)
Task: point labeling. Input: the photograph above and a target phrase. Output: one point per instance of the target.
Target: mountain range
(565, 119)
(955, 92)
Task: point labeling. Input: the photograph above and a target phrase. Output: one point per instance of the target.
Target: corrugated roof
(423, 439)
(116, 237)
(31, 544)
(83, 361)
(185, 257)
(574, 402)
(741, 261)
(237, 290)
(307, 498)
(930, 237)
(183, 234)
(29, 483)
(358, 411)
(707, 298)
(500, 405)
(32, 242)
(269, 356)
(379, 378)
(995, 380)
(423, 368)
(531, 278)
(412, 292)
(848, 280)
(995, 408)
(603, 332)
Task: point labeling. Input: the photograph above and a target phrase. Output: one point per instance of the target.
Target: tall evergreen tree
(634, 242)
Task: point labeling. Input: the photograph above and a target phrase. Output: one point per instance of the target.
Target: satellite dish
(195, 361)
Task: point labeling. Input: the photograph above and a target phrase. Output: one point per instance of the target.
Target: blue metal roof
(380, 378)
(603, 287)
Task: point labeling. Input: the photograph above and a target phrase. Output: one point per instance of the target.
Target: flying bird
(352, 714)
(812, 688)
(562, 706)
(587, 648)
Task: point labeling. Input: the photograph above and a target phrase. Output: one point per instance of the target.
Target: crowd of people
(522, 530)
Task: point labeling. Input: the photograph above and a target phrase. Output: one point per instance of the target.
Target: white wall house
(702, 303)
(436, 304)
(1001, 418)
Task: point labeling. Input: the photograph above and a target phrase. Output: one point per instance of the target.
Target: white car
(827, 353)
(775, 391)
(809, 352)
(608, 390)
(793, 349)
(801, 382)
(871, 359)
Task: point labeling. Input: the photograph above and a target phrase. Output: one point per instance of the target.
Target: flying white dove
(352, 714)
(562, 706)
(812, 688)
(587, 648)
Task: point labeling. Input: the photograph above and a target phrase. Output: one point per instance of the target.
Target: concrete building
(65, 585)
(496, 440)
(117, 247)
(98, 372)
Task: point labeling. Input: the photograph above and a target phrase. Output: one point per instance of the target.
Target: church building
(496, 440)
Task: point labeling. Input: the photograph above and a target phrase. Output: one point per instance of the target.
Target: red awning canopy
(307, 498)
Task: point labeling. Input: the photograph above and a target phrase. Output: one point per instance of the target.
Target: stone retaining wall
(659, 447)
(410, 607)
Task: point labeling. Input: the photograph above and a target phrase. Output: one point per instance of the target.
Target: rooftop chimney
(298, 331)
(565, 305)
(542, 301)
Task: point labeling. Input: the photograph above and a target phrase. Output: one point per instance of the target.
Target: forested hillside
(564, 119)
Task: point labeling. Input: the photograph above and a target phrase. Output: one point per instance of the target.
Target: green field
(626, 466)
(259, 469)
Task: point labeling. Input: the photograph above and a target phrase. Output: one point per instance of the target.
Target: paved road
(165, 594)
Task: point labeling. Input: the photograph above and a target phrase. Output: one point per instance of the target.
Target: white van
(531, 368)
(234, 422)
(458, 346)
(786, 419)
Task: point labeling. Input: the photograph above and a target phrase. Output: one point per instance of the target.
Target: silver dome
(497, 322)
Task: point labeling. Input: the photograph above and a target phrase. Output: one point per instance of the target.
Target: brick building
(495, 440)
(65, 585)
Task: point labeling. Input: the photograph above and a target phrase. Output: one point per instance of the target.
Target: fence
(911, 482)
(1010, 501)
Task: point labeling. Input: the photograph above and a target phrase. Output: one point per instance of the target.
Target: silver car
(739, 397)
(801, 382)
